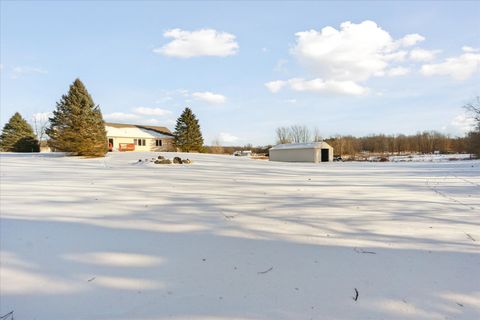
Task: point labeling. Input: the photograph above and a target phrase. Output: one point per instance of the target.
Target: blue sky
(246, 68)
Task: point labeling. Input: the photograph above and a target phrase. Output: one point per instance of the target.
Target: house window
(158, 143)
(139, 142)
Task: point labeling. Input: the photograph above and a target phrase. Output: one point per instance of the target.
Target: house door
(110, 144)
(325, 155)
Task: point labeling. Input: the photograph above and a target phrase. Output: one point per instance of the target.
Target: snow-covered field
(235, 238)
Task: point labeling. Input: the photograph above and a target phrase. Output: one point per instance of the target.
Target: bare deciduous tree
(300, 134)
(216, 146)
(473, 108)
(40, 124)
(283, 135)
(316, 135)
(473, 137)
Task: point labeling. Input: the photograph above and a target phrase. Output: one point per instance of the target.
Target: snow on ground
(235, 238)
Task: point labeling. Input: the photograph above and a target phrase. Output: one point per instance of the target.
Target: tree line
(423, 142)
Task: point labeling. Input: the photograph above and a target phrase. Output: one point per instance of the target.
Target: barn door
(325, 155)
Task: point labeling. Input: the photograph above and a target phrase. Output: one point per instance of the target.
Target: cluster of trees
(77, 127)
(424, 142)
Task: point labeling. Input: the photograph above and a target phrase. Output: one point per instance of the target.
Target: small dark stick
(263, 272)
(4, 317)
(356, 295)
(357, 250)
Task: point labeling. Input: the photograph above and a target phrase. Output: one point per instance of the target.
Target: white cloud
(209, 97)
(281, 65)
(41, 116)
(163, 99)
(275, 86)
(356, 52)
(419, 54)
(19, 72)
(320, 86)
(152, 122)
(469, 49)
(151, 111)
(396, 56)
(227, 137)
(203, 42)
(120, 116)
(327, 86)
(410, 40)
(463, 123)
(398, 71)
(460, 68)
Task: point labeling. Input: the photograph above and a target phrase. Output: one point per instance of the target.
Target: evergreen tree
(188, 136)
(77, 124)
(17, 136)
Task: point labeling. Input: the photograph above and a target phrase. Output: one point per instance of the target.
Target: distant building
(302, 152)
(131, 137)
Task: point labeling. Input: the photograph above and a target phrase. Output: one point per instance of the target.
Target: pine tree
(17, 136)
(188, 136)
(77, 125)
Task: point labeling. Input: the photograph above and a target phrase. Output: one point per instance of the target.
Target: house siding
(150, 146)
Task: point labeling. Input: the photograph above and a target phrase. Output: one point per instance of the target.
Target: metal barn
(302, 152)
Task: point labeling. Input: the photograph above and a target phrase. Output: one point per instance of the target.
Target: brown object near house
(126, 147)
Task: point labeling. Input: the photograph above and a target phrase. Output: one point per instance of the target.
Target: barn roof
(136, 131)
(310, 145)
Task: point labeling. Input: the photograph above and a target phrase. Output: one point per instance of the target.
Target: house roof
(136, 131)
(311, 145)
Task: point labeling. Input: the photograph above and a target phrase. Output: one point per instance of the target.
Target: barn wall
(294, 155)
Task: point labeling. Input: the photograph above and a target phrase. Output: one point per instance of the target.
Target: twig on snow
(355, 298)
(470, 237)
(91, 279)
(263, 272)
(5, 316)
(357, 250)
(228, 217)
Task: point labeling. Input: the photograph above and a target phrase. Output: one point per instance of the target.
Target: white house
(302, 152)
(131, 137)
